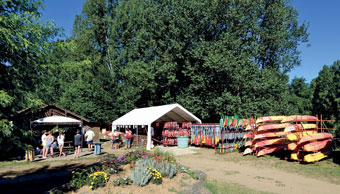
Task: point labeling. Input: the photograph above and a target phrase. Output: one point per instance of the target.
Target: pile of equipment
(298, 133)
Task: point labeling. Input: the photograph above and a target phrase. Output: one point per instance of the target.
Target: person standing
(115, 140)
(89, 138)
(43, 141)
(128, 137)
(49, 141)
(77, 143)
(61, 139)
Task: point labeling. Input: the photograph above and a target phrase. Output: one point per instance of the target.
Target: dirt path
(269, 180)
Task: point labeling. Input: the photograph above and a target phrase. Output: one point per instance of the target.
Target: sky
(322, 16)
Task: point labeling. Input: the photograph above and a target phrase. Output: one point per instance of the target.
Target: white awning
(57, 120)
(165, 113)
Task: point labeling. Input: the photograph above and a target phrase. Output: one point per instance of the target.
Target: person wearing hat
(89, 138)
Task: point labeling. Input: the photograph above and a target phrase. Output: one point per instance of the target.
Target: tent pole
(148, 144)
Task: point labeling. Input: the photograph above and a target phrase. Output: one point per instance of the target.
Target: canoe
(267, 119)
(248, 143)
(299, 118)
(268, 142)
(292, 146)
(247, 151)
(271, 149)
(300, 127)
(316, 156)
(295, 136)
(317, 145)
(273, 126)
(315, 137)
(269, 135)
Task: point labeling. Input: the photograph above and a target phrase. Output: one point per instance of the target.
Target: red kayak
(299, 118)
(315, 137)
(269, 135)
(268, 142)
(273, 126)
(317, 145)
(271, 149)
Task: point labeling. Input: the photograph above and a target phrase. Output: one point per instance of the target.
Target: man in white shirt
(89, 138)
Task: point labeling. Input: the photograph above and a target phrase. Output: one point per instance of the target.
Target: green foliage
(122, 181)
(326, 95)
(140, 175)
(156, 176)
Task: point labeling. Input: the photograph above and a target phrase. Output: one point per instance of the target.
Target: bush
(140, 175)
(97, 179)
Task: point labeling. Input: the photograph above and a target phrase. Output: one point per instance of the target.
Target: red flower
(106, 164)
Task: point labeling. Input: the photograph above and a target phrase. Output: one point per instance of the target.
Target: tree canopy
(223, 57)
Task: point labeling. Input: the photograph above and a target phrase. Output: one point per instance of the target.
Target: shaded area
(38, 180)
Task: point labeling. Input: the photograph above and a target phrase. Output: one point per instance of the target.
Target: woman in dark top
(77, 143)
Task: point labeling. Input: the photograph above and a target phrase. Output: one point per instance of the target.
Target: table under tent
(148, 124)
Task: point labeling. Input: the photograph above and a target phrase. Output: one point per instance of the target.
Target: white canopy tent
(55, 120)
(147, 116)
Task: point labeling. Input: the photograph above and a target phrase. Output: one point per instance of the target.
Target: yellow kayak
(310, 157)
(294, 156)
(314, 157)
(298, 135)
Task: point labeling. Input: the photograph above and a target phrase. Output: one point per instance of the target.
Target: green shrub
(140, 175)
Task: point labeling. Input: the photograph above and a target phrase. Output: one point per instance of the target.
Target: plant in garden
(167, 169)
(156, 176)
(122, 181)
(140, 175)
(131, 157)
(79, 178)
(97, 179)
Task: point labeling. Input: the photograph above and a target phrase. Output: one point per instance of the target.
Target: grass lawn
(216, 187)
(325, 170)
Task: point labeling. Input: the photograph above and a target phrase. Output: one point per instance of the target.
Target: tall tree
(301, 96)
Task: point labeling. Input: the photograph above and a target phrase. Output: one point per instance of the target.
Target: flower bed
(146, 167)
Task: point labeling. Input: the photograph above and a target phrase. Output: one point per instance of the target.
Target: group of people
(115, 137)
(89, 135)
(48, 142)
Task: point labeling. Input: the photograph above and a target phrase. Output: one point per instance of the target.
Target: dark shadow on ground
(38, 180)
(336, 157)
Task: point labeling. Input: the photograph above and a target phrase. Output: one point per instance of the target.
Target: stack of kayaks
(298, 134)
(270, 136)
(306, 144)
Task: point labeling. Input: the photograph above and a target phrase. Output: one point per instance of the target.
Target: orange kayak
(317, 145)
(267, 119)
(292, 146)
(299, 118)
(248, 135)
(270, 134)
(273, 126)
(248, 143)
(268, 142)
(271, 149)
(300, 127)
(315, 137)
